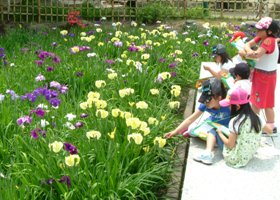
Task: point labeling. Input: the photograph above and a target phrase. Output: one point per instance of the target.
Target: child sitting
(212, 92)
(245, 130)
(241, 73)
(222, 59)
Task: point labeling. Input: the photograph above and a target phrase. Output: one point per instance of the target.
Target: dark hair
(245, 111)
(274, 28)
(225, 58)
(242, 70)
(212, 88)
(216, 93)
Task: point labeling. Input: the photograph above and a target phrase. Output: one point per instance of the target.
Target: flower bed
(83, 112)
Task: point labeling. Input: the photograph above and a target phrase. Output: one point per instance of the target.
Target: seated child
(241, 73)
(222, 59)
(212, 92)
(245, 130)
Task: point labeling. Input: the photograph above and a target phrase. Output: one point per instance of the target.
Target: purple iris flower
(161, 60)
(91, 32)
(55, 84)
(206, 43)
(83, 115)
(237, 28)
(48, 95)
(172, 65)
(70, 148)
(71, 34)
(50, 181)
(54, 44)
(118, 43)
(55, 102)
(39, 62)
(110, 62)
(133, 48)
(23, 120)
(53, 93)
(83, 48)
(43, 132)
(13, 94)
(79, 74)
(5, 61)
(34, 134)
(24, 50)
(63, 89)
(56, 59)
(173, 74)
(42, 91)
(253, 34)
(50, 68)
(31, 97)
(195, 54)
(66, 180)
(79, 124)
(40, 77)
(40, 112)
(43, 55)
(2, 55)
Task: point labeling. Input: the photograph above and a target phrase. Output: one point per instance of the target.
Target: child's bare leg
(210, 143)
(269, 113)
(255, 109)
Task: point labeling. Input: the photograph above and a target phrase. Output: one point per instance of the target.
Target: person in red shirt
(264, 75)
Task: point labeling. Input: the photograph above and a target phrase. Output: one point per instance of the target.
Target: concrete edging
(176, 184)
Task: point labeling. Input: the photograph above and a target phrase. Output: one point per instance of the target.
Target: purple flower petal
(66, 180)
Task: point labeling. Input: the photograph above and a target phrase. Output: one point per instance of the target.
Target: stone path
(257, 181)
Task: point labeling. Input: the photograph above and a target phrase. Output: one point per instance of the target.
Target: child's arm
(259, 52)
(214, 73)
(230, 141)
(248, 46)
(185, 124)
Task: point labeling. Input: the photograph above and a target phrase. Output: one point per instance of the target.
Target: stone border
(176, 184)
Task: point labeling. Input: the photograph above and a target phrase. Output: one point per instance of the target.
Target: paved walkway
(259, 180)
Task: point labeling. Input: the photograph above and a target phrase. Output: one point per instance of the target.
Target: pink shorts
(263, 88)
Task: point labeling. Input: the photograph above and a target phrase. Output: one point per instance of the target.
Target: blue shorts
(219, 141)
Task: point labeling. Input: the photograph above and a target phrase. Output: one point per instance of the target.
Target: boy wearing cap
(245, 130)
(212, 93)
(264, 75)
(222, 59)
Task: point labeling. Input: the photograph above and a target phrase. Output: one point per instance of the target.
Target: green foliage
(109, 167)
(196, 13)
(155, 11)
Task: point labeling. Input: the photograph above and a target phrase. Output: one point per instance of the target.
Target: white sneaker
(205, 157)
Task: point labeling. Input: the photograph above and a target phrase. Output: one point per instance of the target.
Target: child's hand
(242, 53)
(170, 134)
(206, 67)
(219, 130)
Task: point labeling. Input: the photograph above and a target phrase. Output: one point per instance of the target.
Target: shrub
(155, 11)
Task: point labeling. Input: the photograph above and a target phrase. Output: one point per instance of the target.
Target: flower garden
(83, 111)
